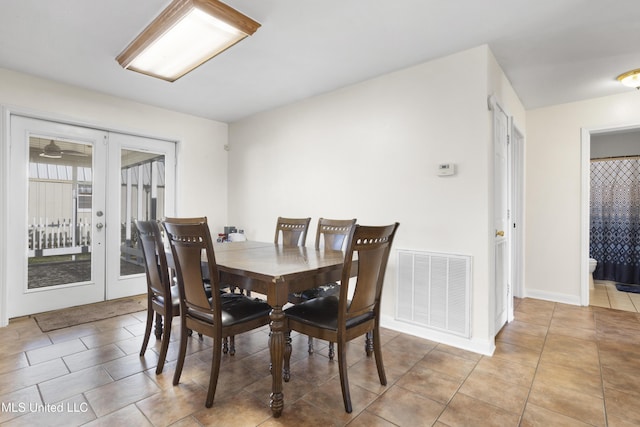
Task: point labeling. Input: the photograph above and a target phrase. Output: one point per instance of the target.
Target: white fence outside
(58, 237)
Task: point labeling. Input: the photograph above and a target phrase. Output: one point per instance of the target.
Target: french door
(142, 186)
(74, 194)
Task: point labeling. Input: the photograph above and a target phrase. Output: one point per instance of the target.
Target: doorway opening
(601, 136)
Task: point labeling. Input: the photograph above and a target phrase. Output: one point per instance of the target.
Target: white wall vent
(434, 291)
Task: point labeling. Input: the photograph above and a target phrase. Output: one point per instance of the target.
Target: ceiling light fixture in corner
(630, 78)
(184, 36)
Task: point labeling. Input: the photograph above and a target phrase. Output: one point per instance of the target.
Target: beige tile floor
(606, 295)
(554, 365)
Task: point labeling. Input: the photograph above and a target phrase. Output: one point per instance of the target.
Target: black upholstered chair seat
(217, 315)
(343, 318)
(334, 233)
(175, 297)
(309, 294)
(236, 309)
(322, 312)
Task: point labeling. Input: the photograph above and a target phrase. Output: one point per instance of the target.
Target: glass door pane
(141, 186)
(142, 198)
(59, 212)
(56, 188)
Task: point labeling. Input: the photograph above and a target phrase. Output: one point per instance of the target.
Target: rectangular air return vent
(434, 291)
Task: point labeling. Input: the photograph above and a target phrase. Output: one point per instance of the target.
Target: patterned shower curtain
(615, 219)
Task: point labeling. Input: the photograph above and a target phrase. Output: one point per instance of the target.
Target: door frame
(501, 191)
(516, 205)
(4, 170)
(6, 112)
(585, 211)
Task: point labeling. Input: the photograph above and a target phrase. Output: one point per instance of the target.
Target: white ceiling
(552, 51)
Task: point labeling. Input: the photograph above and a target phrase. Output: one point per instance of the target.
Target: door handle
(99, 226)
(500, 233)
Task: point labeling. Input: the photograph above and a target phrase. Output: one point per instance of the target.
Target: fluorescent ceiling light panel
(184, 36)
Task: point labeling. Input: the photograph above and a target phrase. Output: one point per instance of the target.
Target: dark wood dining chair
(163, 299)
(228, 345)
(331, 234)
(207, 315)
(293, 231)
(187, 220)
(339, 319)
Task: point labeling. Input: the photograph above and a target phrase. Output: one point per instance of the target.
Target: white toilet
(592, 267)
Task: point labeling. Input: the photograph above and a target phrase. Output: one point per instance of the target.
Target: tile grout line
(535, 373)
(604, 397)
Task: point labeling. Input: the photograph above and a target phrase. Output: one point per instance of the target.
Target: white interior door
(57, 192)
(75, 193)
(501, 217)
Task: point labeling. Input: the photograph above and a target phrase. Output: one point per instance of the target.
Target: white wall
(370, 151)
(201, 154)
(617, 144)
(553, 196)
(202, 160)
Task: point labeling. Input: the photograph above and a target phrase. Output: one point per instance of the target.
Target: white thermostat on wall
(446, 169)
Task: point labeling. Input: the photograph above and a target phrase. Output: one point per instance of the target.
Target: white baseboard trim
(554, 297)
(482, 347)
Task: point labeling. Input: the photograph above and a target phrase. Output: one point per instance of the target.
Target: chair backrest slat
(186, 220)
(293, 231)
(333, 233)
(190, 242)
(371, 247)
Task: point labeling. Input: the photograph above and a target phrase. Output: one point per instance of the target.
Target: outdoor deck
(55, 273)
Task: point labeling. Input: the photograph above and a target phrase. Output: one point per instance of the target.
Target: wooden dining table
(275, 271)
